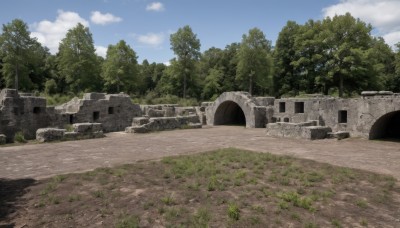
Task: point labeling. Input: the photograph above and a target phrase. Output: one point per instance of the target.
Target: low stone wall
(144, 125)
(80, 131)
(305, 130)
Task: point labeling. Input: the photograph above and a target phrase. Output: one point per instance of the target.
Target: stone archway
(386, 127)
(229, 113)
(236, 108)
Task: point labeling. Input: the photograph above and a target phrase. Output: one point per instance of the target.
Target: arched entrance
(386, 127)
(229, 113)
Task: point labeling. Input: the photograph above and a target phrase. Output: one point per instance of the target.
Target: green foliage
(128, 222)
(233, 211)
(77, 61)
(186, 47)
(22, 56)
(19, 137)
(255, 61)
(119, 70)
(50, 87)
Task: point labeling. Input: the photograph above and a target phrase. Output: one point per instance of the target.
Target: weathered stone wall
(22, 114)
(114, 111)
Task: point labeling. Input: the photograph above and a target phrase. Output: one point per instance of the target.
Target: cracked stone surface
(48, 159)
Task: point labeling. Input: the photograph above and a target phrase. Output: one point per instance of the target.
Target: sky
(146, 25)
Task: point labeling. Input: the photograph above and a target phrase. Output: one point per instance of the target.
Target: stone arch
(230, 107)
(387, 126)
(229, 113)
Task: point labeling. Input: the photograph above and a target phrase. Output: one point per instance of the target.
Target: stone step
(339, 135)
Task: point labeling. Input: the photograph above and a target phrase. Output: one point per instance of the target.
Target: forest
(335, 56)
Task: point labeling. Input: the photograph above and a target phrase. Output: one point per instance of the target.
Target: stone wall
(114, 111)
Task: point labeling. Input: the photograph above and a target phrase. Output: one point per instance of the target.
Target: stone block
(71, 135)
(369, 93)
(155, 113)
(94, 96)
(49, 134)
(338, 135)
(87, 127)
(315, 132)
(138, 121)
(2, 139)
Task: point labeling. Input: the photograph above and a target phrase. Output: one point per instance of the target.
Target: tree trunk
(251, 84)
(340, 85)
(16, 76)
(184, 85)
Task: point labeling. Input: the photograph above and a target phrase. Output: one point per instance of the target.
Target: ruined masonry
(375, 115)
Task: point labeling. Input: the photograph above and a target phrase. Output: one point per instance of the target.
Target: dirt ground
(39, 161)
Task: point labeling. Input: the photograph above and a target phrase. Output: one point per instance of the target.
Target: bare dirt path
(44, 160)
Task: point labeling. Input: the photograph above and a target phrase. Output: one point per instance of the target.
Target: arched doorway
(386, 127)
(229, 113)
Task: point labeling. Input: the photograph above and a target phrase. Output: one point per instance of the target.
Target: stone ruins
(374, 115)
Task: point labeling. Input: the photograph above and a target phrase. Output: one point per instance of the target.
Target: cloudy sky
(146, 25)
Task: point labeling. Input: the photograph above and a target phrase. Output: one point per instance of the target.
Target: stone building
(374, 115)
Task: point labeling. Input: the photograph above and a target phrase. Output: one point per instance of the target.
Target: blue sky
(146, 25)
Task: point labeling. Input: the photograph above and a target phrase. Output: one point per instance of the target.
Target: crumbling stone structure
(114, 111)
(374, 115)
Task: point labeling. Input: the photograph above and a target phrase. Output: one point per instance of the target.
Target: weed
(310, 225)
(363, 222)
(131, 221)
(362, 203)
(336, 223)
(233, 211)
(72, 198)
(98, 194)
(54, 199)
(19, 137)
(172, 214)
(168, 200)
(148, 205)
(201, 218)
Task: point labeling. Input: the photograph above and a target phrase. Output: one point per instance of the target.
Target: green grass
(222, 188)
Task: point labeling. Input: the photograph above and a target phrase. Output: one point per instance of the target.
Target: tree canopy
(336, 56)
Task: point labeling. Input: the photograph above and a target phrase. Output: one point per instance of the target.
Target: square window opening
(298, 107)
(71, 119)
(110, 110)
(342, 116)
(282, 107)
(96, 116)
(36, 110)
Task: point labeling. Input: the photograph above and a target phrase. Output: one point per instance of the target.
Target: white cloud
(51, 33)
(101, 51)
(104, 19)
(150, 39)
(155, 6)
(383, 15)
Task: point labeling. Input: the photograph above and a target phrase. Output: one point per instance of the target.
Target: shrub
(19, 137)
(233, 211)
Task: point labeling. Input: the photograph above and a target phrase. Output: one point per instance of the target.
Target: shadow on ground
(10, 192)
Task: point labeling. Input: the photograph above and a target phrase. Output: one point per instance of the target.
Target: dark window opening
(342, 116)
(282, 107)
(110, 110)
(16, 111)
(36, 110)
(71, 119)
(96, 116)
(298, 107)
(286, 119)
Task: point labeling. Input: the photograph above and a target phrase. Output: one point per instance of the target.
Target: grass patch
(222, 188)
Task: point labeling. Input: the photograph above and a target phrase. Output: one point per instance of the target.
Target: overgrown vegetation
(227, 187)
(336, 56)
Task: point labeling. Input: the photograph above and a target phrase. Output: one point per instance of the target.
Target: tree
(396, 78)
(186, 47)
(17, 51)
(120, 70)
(77, 61)
(346, 42)
(254, 61)
(286, 76)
